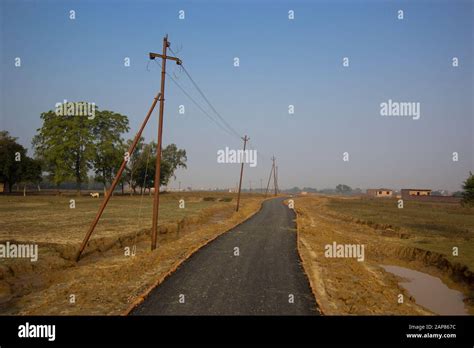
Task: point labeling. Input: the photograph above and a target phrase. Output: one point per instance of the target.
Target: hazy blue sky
(282, 62)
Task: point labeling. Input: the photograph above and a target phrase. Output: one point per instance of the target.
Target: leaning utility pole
(245, 139)
(116, 179)
(156, 198)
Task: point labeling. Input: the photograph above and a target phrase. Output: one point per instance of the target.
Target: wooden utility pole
(156, 198)
(245, 139)
(116, 179)
(274, 176)
(270, 177)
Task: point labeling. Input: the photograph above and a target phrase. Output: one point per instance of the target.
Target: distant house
(407, 193)
(425, 195)
(2, 187)
(381, 192)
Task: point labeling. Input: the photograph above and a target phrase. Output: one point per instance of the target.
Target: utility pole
(270, 177)
(277, 187)
(261, 185)
(245, 139)
(179, 186)
(274, 176)
(116, 179)
(156, 198)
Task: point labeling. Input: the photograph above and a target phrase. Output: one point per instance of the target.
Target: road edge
(306, 264)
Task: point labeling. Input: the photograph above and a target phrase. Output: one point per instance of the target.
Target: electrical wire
(207, 100)
(196, 103)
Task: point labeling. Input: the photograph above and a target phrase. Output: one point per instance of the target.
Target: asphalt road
(262, 280)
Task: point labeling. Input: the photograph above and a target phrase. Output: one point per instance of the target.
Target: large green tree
(69, 146)
(65, 145)
(468, 193)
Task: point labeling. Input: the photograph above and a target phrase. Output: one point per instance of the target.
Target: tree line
(70, 147)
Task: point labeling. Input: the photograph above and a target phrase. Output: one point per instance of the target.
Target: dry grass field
(106, 280)
(49, 219)
(420, 236)
(436, 227)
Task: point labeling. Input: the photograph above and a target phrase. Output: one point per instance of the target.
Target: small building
(2, 187)
(381, 192)
(415, 192)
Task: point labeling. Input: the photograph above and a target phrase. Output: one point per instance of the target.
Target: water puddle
(429, 292)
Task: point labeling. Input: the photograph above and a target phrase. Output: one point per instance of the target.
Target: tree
(172, 158)
(71, 145)
(468, 193)
(295, 189)
(65, 145)
(133, 164)
(31, 172)
(343, 189)
(11, 156)
(145, 167)
(107, 128)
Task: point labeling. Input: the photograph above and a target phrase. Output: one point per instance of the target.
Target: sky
(283, 62)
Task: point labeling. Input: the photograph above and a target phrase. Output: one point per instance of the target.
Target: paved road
(260, 281)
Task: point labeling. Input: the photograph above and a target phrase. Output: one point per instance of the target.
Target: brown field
(420, 236)
(105, 281)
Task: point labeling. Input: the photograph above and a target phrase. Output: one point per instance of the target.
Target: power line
(234, 132)
(196, 103)
(208, 102)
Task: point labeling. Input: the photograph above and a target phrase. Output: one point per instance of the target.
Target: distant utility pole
(272, 171)
(261, 185)
(179, 186)
(277, 189)
(156, 199)
(245, 139)
(274, 176)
